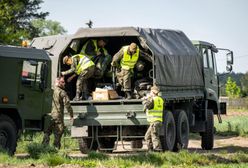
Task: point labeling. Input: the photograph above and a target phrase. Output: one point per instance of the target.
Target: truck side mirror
(229, 58)
(43, 76)
(229, 68)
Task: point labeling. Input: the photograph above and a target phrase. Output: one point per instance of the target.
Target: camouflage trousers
(124, 79)
(152, 136)
(57, 128)
(82, 83)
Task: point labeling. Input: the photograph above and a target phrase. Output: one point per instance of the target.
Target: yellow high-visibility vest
(84, 63)
(97, 49)
(128, 61)
(156, 114)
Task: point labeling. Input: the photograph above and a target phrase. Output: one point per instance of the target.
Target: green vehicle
(186, 74)
(25, 93)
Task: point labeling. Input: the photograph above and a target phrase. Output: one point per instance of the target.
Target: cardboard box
(104, 94)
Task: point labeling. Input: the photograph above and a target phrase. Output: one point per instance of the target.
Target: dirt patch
(223, 144)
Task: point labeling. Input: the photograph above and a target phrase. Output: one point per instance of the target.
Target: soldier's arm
(67, 103)
(149, 104)
(90, 48)
(117, 57)
(72, 69)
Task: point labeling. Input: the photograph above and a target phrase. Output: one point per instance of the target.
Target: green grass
(166, 159)
(234, 125)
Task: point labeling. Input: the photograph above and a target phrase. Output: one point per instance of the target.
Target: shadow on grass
(226, 149)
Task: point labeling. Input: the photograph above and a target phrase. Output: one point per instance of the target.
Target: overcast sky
(222, 22)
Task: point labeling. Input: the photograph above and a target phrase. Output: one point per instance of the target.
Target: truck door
(30, 95)
(210, 72)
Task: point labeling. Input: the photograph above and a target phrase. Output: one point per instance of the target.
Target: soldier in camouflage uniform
(153, 106)
(96, 51)
(60, 100)
(126, 58)
(82, 67)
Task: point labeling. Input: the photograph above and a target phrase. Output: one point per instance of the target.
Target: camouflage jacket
(60, 101)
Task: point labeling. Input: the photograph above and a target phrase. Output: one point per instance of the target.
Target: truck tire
(207, 142)
(182, 130)
(168, 140)
(84, 145)
(136, 144)
(8, 134)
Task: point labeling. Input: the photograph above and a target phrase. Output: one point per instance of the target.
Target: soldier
(82, 66)
(60, 100)
(95, 50)
(127, 57)
(154, 106)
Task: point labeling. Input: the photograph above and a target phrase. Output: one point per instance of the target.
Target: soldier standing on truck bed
(154, 106)
(127, 57)
(95, 50)
(60, 100)
(82, 67)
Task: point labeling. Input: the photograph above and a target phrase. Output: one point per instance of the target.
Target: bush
(35, 150)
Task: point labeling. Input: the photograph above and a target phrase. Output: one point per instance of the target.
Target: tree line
(234, 85)
(22, 19)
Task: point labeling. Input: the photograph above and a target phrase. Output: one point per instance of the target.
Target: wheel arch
(14, 115)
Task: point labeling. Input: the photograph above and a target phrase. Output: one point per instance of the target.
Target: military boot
(77, 97)
(128, 95)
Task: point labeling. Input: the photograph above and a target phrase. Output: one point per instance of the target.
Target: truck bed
(108, 112)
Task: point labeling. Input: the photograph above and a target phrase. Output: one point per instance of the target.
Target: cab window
(205, 57)
(31, 71)
(210, 59)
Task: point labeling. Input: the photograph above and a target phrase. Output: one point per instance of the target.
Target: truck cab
(25, 92)
(208, 53)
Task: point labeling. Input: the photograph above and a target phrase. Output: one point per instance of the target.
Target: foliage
(48, 27)
(15, 20)
(233, 126)
(232, 90)
(35, 150)
(223, 79)
(244, 84)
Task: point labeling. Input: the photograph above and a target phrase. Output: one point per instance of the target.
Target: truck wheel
(207, 142)
(8, 134)
(84, 145)
(169, 128)
(136, 144)
(182, 130)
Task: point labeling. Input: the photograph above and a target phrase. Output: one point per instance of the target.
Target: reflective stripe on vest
(84, 63)
(96, 49)
(156, 114)
(128, 61)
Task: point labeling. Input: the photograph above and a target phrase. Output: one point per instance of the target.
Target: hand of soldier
(98, 53)
(62, 73)
(70, 78)
(112, 64)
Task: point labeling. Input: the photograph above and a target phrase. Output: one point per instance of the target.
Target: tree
(48, 27)
(244, 84)
(232, 90)
(15, 20)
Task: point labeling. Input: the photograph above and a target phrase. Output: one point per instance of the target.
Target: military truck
(25, 93)
(185, 73)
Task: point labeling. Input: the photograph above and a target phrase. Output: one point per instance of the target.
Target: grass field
(46, 155)
(166, 159)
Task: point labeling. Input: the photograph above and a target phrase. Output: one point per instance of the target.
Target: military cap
(133, 47)
(155, 89)
(65, 59)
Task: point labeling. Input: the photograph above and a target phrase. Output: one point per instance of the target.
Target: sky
(221, 22)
